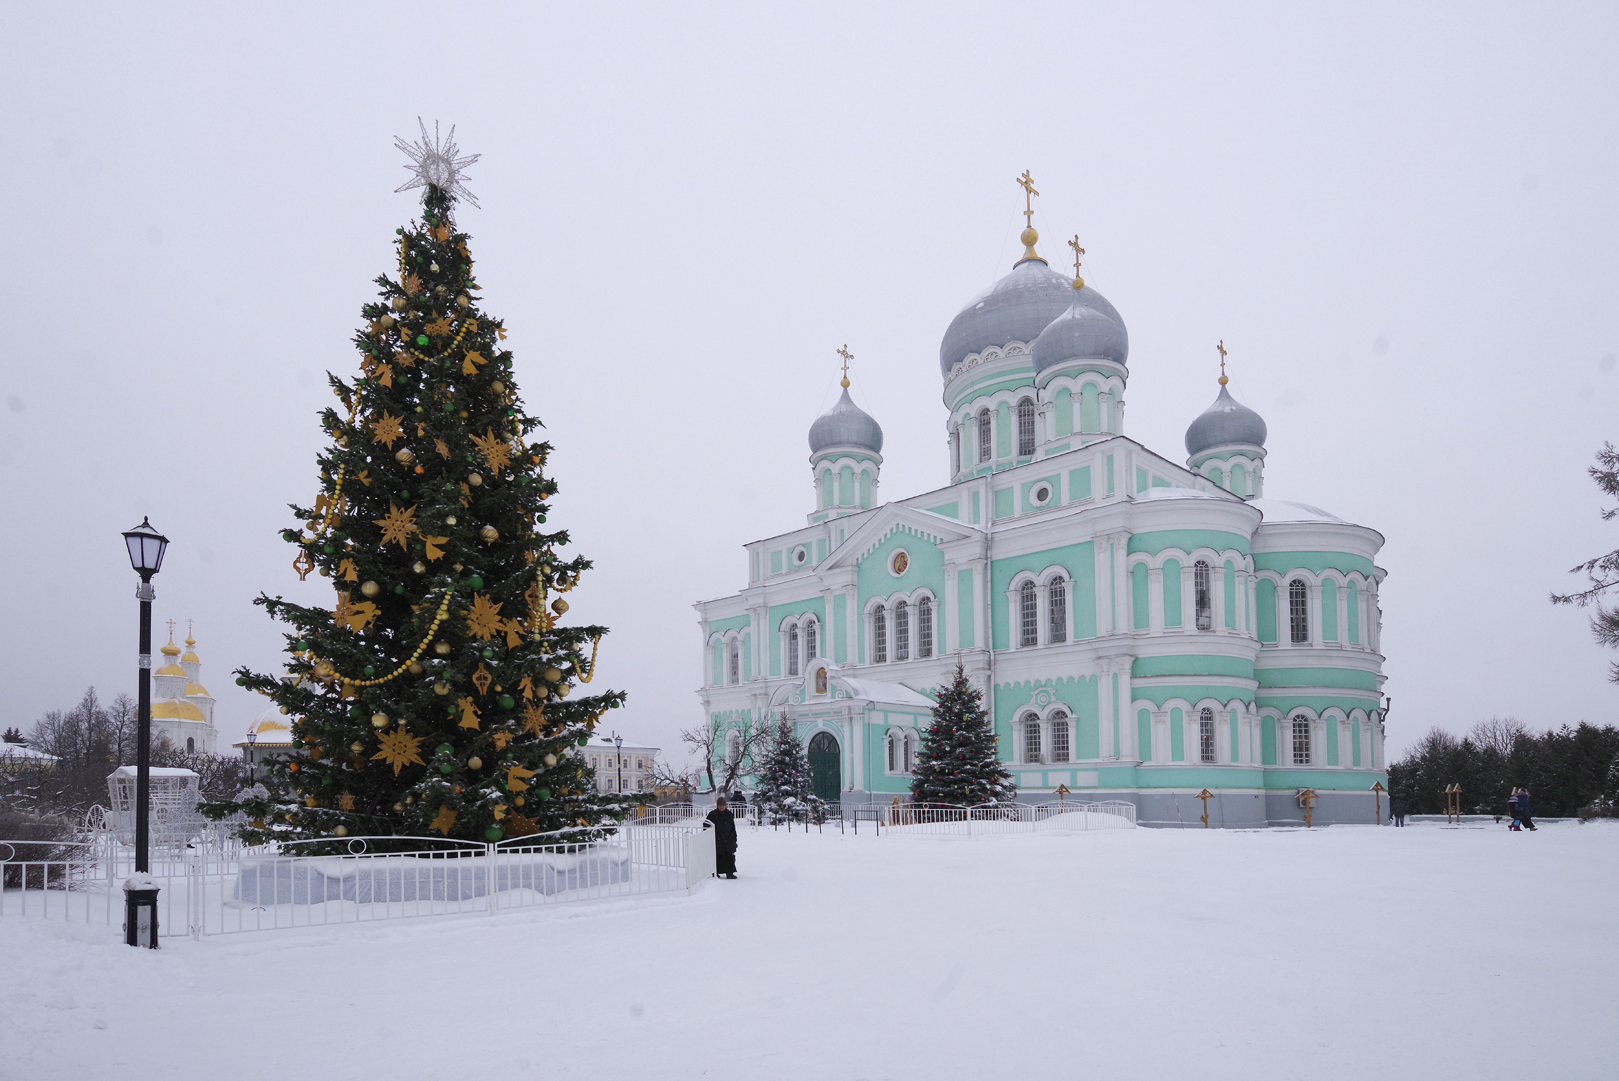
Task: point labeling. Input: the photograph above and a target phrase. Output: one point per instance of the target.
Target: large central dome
(1015, 309)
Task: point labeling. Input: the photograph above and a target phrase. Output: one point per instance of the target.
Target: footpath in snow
(1349, 952)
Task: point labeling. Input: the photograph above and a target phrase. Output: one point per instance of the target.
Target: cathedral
(182, 708)
(1141, 629)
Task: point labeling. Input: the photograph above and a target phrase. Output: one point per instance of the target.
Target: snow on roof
(18, 752)
(1283, 510)
(1176, 493)
(155, 771)
(877, 691)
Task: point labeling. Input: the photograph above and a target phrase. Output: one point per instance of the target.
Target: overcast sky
(1401, 221)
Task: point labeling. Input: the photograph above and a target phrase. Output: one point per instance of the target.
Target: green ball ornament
(539, 517)
(449, 407)
(300, 646)
(507, 701)
(328, 549)
(618, 817)
(443, 748)
(356, 712)
(488, 654)
(445, 768)
(583, 740)
(399, 591)
(542, 793)
(404, 493)
(493, 833)
(240, 682)
(421, 339)
(369, 670)
(475, 582)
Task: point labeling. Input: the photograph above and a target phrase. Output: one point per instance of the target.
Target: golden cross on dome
(189, 629)
(1079, 283)
(847, 357)
(1221, 348)
(1029, 193)
(171, 630)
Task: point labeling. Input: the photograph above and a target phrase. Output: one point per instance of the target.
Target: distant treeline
(1567, 771)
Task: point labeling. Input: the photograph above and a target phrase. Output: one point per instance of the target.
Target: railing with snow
(989, 819)
(211, 889)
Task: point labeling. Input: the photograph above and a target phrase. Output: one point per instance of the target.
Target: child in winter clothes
(1512, 809)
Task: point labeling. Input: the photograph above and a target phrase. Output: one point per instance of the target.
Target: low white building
(620, 769)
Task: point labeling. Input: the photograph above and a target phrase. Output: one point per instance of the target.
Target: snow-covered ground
(1351, 952)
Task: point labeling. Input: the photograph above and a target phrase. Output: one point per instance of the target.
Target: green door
(825, 773)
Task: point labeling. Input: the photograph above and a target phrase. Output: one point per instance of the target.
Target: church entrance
(826, 775)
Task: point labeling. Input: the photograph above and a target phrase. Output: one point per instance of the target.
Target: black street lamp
(618, 742)
(146, 547)
(252, 752)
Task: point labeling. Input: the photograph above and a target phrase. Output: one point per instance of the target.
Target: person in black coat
(1524, 810)
(1397, 810)
(723, 823)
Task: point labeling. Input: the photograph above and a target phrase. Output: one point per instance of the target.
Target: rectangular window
(792, 651)
(1205, 737)
(893, 754)
(1058, 592)
(1298, 611)
(1031, 741)
(902, 631)
(1301, 740)
(1028, 616)
(812, 644)
(1201, 596)
(1025, 428)
(1059, 738)
(879, 637)
(983, 435)
(924, 627)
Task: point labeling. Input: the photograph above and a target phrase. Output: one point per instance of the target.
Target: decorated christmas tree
(957, 763)
(437, 691)
(785, 792)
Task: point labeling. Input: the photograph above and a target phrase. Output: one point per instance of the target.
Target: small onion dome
(197, 688)
(1225, 422)
(271, 722)
(845, 425)
(191, 652)
(1090, 328)
(170, 650)
(1015, 309)
(171, 670)
(176, 709)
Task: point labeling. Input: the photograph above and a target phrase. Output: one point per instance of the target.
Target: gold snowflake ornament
(398, 525)
(387, 429)
(496, 454)
(484, 620)
(400, 748)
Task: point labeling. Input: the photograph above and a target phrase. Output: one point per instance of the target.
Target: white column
(1160, 735)
(1343, 615)
(1188, 597)
(946, 623)
(1155, 600)
(852, 619)
(1104, 711)
(1217, 594)
(1128, 735)
(1313, 592)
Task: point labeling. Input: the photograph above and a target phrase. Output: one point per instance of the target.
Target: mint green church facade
(1142, 629)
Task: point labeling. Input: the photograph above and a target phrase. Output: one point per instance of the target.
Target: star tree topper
(434, 162)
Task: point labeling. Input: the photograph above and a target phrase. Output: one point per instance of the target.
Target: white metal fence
(213, 888)
(990, 819)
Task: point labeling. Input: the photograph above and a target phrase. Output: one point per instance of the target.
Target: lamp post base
(140, 912)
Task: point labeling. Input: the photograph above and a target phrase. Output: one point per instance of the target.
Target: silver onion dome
(1226, 421)
(845, 425)
(1015, 309)
(1091, 327)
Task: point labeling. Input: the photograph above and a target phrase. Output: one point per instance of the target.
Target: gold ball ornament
(462, 413)
(409, 800)
(562, 691)
(323, 670)
(559, 606)
(552, 675)
(462, 301)
(404, 456)
(386, 321)
(399, 808)
(416, 669)
(400, 304)
(497, 387)
(370, 589)
(356, 747)
(441, 687)
(475, 763)
(519, 801)
(550, 759)
(433, 267)
(442, 648)
(325, 572)
(489, 534)
(285, 710)
(419, 567)
(439, 289)
(474, 479)
(340, 831)
(450, 520)
(379, 720)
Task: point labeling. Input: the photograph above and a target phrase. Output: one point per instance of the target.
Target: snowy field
(1348, 952)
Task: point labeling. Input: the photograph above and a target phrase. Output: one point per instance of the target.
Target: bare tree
(1498, 734)
(725, 753)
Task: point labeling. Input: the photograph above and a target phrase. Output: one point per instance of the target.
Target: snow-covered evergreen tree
(957, 762)
(784, 792)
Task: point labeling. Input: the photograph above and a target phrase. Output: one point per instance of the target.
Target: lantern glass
(146, 547)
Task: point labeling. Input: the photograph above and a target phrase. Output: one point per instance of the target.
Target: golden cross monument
(1221, 348)
(1079, 283)
(847, 357)
(171, 630)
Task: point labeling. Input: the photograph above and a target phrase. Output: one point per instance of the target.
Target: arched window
(910, 751)
(191, 745)
(1028, 616)
(924, 627)
(902, 631)
(983, 435)
(1301, 740)
(1059, 736)
(811, 646)
(1057, 593)
(1298, 611)
(826, 488)
(735, 673)
(1202, 598)
(879, 636)
(1205, 735)
(1031, 739)
(792, 650)
(1025, 428)
(893, 752)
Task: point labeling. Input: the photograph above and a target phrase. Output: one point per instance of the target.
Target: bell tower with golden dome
(182, 708)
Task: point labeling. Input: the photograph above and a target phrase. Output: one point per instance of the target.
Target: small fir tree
(434, 693)
(957, 762)
(785, 789)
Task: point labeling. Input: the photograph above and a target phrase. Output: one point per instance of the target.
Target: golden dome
(170, 650)
(190, 658)
(197, 688)
(171, 670)
(176, 709)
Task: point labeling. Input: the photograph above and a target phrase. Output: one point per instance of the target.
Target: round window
(1042, 493)
(800, 555)
(899, 562)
